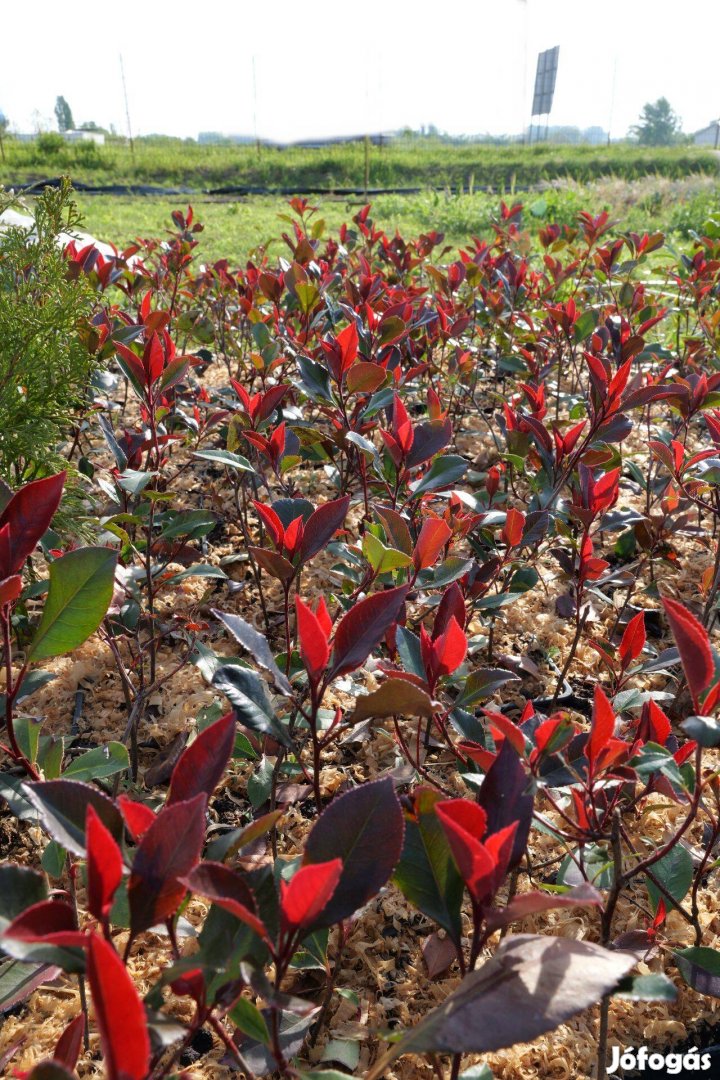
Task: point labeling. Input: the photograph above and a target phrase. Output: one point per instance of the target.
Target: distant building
(96, 137)
(708, 136)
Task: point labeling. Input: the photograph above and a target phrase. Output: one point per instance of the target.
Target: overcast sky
(332, 67)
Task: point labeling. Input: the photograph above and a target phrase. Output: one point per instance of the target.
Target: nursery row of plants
(234, 228)
(402, 162)
(435, 536)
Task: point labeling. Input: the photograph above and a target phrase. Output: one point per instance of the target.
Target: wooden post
(367, 165)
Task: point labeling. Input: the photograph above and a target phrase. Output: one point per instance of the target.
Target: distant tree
(63, 114)
(4, 124)
(659, 125)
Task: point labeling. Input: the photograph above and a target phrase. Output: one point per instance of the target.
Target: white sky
(338, 67)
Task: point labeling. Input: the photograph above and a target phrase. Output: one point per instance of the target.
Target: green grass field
(410, 162)
(234, 228)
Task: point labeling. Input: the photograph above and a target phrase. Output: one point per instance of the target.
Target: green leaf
(62, 807)
(246, 693)
(201, 570)
(31, 682)
(675, 872)
(315, 379)
(224, 457)
(98, 763)
(14, 793)
(445, 470)
(703, 729)
(655, 987)
(189, 525)
(259, 784)
(700, 968)
(345, 1052)
(20, 888)
(27, 733)
(18, 981)
(585, 325)
(426, 874)
(81, 588)
(248, 1018)
(382, 558)
(53, 859)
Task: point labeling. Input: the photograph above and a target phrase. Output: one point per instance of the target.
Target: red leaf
(305, 896)
(224, 887)
(605, 491)
(633, 640)
(29, 513)
(119, 1014)
(513, 529)
(603, 726)
(49, 921)
(272, 523)
(510, 731)
(293, 538)
(450, 649)
(137, 816)
(433, 537)
(168, 851)
(348, 340)
(314, 648)
(133, 365)
(694, 648)
(201, 765)
(363, 627)
(464, 822)
(153, 359)
(500, 847)
(452, 605)
(322, 525)
(104, 866)
(10, 589)
(271, 400)
(69, 1045)
(402, 428)
(323, 617)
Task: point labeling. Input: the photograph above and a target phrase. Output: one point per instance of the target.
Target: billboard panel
(545, 76)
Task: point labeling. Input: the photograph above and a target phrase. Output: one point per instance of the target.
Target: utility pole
(127, 107)
(612, 98)
(525, 76)
(255, 127)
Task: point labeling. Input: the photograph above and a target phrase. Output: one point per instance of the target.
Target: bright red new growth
(314, 647)
(602, 726)
(119, 1013)
(104, 866)
(633, 640)
(512, 532)
(307, 893)
(482, 864)
(137, 816)
(433, 537)
(694, 647)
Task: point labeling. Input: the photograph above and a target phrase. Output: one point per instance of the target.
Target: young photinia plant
(78, 594)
